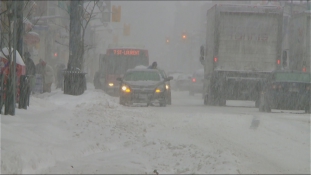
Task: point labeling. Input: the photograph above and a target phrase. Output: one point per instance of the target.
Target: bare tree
(7, 38)
(87, 14)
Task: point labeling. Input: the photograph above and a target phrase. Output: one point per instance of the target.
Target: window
(142, 76)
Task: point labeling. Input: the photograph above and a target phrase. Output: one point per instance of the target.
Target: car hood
(144, 84)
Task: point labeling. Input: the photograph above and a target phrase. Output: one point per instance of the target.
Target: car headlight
(160, 89)
(167, 87)
(110, 84)
(126, 89)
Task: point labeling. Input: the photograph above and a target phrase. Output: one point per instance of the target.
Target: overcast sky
(151, 22)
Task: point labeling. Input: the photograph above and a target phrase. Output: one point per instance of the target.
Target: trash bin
(74, 82)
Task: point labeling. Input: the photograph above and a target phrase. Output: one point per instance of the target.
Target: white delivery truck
(243, 46)
(299, 42)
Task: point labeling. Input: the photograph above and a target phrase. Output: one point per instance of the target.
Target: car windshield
(142, 76)
(163, 75)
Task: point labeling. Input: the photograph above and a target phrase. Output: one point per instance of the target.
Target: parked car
(182, 83)
(287, 91)
(143, 86)
(196, 86)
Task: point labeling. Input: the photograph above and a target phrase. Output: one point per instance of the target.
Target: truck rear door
(248, 41)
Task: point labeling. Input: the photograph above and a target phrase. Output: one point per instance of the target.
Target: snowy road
(92, 133)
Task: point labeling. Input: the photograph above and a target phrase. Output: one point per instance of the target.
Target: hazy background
(152, 21)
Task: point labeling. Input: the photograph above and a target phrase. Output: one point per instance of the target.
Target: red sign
(126, 52)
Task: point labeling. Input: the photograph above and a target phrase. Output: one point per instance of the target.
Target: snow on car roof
(141, 67)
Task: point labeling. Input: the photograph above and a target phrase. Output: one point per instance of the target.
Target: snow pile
(92, 133)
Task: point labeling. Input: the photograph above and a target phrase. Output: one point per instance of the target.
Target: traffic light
(55, 54)
(126, 29)
(116, 14)
(184, 36)
(167, 40)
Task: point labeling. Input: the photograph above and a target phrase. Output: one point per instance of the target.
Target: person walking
(154, 65)
(47, 73)
(59, 75)
(30, 69)
(48, 77)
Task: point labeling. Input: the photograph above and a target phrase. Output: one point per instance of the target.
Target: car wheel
(122, 101)
(163, 103)
(169, 101)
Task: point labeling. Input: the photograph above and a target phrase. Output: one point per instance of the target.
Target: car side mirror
(119, 79)
(169, 78)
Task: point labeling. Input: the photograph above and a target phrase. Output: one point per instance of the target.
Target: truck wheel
(267, 109)
(222, 102)
(206, 100)
(257, 103)
(263, 105)
(307, 109)
(261, 108)
(191, 93)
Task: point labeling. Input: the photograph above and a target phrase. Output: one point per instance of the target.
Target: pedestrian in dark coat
(153, 65)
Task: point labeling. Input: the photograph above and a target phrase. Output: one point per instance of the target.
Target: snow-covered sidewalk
(92, 133)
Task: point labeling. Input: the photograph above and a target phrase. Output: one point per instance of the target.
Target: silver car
(196, 85)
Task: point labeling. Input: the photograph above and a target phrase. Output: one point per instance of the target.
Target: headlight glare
(167, 87)
(158, 90)
(110, 84)
(125, 89)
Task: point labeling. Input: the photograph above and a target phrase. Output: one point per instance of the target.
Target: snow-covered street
(92, 133)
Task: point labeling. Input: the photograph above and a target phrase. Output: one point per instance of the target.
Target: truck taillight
(194, 80)
(215, 59)
(304, 69)
(278, 61)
